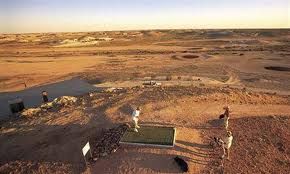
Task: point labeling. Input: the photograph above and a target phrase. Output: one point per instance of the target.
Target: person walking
(135, 118)
(226, 117)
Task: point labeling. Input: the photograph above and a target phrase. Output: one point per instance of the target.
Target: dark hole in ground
(277, 68)
(189, 56)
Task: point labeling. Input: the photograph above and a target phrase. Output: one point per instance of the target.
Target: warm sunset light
(144, 86)
(95, 15)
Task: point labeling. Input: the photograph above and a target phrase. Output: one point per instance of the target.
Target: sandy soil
(260, 144)
(238, 57)
(58, 135)
(201, 71)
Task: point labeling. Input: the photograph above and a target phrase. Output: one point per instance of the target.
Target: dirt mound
(156, 33)
(189, 56)
(259, 146)
(218, 34)
(265, 34)
(17, 167)
(277, 68)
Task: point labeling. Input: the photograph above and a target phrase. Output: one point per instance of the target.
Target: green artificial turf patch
(150, 135)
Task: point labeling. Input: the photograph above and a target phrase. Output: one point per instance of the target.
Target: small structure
(85, 150)
(16, 105)
(44, 97)
(152, 83)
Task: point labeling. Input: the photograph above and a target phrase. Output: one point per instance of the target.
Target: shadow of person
(195, 145)
(216, 123)
(126, 109)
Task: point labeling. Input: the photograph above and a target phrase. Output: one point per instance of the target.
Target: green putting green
(150, 135)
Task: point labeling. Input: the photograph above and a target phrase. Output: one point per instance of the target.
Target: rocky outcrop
(64, 101)
(109, 141)
(58, 102)
(31, 111)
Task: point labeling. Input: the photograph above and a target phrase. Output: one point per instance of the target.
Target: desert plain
(200, 72)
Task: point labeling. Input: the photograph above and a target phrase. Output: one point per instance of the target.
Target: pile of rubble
(109, 141)
(30, 112)
(58, 102)
(23, 166)
(64, 101)
(112, 90)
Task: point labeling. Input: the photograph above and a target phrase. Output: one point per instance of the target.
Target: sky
(26, 16)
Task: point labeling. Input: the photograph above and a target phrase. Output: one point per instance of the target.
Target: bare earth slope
(200, 72)
(56, 137)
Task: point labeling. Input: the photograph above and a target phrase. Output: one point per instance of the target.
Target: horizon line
(116, 30)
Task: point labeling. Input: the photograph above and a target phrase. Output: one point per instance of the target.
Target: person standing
(227, 144)
(44, 97)
(226, 117)
(135, 118)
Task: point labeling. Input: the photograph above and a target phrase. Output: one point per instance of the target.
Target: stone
(48, 105)
(64, 100)
(30, 112)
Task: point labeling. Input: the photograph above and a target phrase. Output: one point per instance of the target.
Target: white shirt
(135, 113)
(228, 142)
